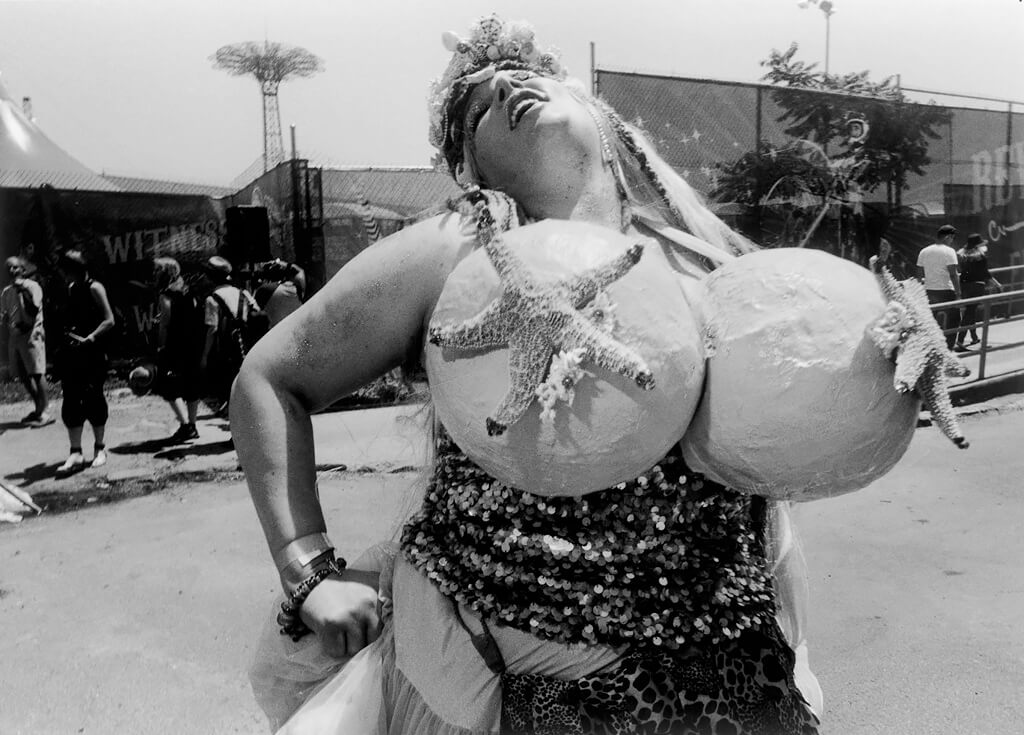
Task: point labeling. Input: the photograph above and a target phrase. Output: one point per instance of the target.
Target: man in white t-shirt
(937, 269)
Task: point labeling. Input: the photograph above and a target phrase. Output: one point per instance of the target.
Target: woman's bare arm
(366, 320)
(99, 296)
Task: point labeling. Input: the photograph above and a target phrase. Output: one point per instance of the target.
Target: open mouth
(521, 103)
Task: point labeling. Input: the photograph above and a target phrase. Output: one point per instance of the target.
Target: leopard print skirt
(740, 687)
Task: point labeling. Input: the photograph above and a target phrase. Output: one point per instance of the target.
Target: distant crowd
(950, 274)
(205, 328)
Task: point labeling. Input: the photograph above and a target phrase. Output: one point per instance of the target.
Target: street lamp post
(827, 8)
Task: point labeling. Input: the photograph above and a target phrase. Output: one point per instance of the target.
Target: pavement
(996, 371)
(141, 460)
(141, 617)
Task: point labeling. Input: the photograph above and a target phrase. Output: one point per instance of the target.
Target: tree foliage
(898, 130)
(818, 108)
(771, 174)
(267, 61)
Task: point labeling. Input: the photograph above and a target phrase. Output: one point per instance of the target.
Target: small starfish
(534, 318)
(923, 360)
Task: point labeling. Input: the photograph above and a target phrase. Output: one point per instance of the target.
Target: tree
(820, 107)
(785, 180)
(271, 64)
(826, 167)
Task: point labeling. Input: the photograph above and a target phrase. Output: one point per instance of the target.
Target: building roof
(28, 158)
(395, 192)
(158, 186)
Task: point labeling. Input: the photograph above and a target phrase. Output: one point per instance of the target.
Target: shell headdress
(493, 45)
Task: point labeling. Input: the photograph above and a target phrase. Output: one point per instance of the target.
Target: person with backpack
(21, 311)
(282, 290)
(180, 342)
(228, 312)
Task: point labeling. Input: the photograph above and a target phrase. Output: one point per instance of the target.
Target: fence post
(594, 85)
(1009, 147)
(986, 318)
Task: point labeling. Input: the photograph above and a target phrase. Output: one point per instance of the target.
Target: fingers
(349, 638)
(344, 615)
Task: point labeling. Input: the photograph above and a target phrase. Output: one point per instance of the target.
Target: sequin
(679, 559)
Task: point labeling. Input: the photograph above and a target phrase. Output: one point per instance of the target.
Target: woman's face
(526, 132)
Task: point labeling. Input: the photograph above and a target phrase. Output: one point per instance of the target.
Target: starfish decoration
(534, 318)
(923, 360)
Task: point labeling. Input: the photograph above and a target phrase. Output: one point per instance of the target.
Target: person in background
(227, 310)
(283, 290)
(891, 259)
(975, 280)
(937, 269)
(83, 360)
(180, 341)
(21, 311)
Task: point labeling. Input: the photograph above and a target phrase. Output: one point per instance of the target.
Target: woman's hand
(342, 611)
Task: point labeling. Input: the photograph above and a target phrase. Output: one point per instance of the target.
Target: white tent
(29, 159)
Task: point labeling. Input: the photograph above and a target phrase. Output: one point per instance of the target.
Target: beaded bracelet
(289, 620)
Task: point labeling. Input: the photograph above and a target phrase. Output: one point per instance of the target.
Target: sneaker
(100, 459)
(185, 432)
(29, 418)
(960, 348)
(73, 463)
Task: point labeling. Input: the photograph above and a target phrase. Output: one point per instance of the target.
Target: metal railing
(994, 312)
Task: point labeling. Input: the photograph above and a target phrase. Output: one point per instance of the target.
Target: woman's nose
(504, 85)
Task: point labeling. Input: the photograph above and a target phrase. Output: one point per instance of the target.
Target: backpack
(230, 346)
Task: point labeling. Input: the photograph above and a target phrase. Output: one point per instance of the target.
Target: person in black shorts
(82, 360)
(180, 347)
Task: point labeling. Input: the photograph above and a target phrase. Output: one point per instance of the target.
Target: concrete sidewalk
(140, 458)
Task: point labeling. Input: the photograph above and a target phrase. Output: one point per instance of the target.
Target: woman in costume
(666, 603)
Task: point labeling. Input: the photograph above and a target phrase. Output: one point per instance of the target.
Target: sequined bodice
(666, 560)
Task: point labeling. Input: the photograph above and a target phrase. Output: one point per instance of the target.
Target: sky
(127, 86)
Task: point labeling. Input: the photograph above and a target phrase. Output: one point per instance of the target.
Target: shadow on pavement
(5, 425)
(197, 450)
(38, 472)
(149, 446)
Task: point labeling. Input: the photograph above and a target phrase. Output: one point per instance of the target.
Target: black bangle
(289, 620)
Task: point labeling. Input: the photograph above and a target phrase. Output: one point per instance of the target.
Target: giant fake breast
(614, 425)
(799, 403)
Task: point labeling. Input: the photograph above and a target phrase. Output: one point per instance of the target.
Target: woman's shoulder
(97, 287)
(440, 240)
